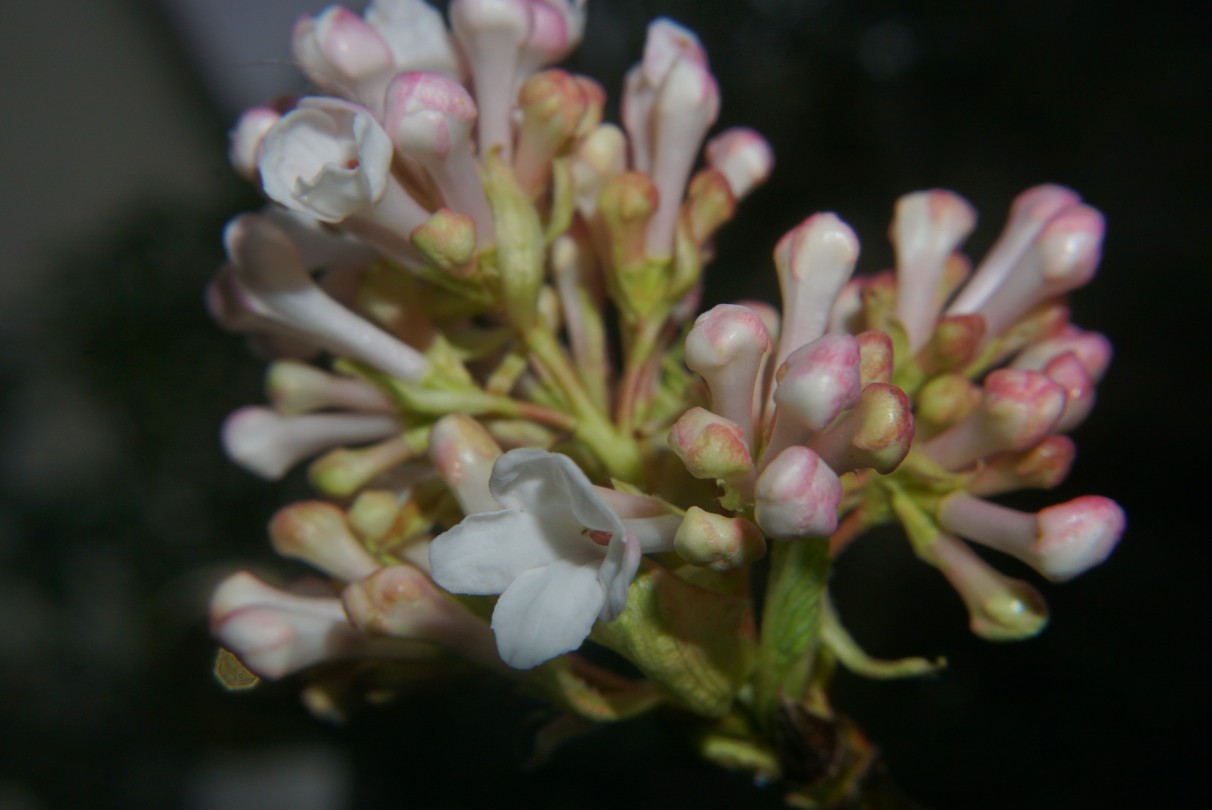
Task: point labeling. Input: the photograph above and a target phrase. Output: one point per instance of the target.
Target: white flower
(557, 553)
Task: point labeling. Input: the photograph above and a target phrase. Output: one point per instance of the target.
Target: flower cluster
(478, 299)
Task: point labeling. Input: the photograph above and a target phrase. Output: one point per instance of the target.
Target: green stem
(648, 332)
(791, 623)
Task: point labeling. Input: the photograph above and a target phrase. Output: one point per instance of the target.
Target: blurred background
(117, 510)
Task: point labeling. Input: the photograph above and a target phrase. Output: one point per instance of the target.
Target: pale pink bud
(294, 387)
(553, 104)
(401, 602)
(1029, 213)
(244, 139)
(999, 608)
(557, 27)
(1063, 256)
(743, 157)
(492, 33)
(316, 533)
(876, 433)
(685, 107)
(1091, 348)
(277, 288)
(1060, 541)
(797, 495)
(813, 260)
(596, 159)
(1018, 409)
(1069, 373)
(275, 633)
(1041, 467)
(719, 542)
(416, 34)
(429, 118)
(711, 447)
(341, 52)
(463, 453)
(268, 444)
(729, 346)
(812, 388)
(927, 228)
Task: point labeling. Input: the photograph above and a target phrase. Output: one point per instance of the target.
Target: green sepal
(520, 245)
(854, 658)
(593, 693)
(559, 219)
(689, 641)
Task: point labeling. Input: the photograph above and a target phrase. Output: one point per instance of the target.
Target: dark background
(117, 510)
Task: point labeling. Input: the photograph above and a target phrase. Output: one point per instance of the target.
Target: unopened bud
(317, 533)
(719, 542)
(877, 433)
(999, 608)
(797, 496)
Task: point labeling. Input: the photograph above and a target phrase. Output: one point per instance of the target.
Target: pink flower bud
(813, 260)
(295, 387)
(275, 633)
(401, 602)
(464, 453)
(817, 383)
(876, 433)
(595, 160)
(954, 343)
(316, 533)
(270, 274)
(875, 357)
(1017, 410)
(1060, 542)
(1069, 373)
(999, 608)
(553, 105)
(1091, 348)
(1044, 466)
(743, 157)
(797, 496)
(718, 542)
(268, 444)
(728, 346)
(557, 28)
(1063, 256)
(429, 118)
(341, 52)
(416, 34)
(711, 447)
(928, 227)
(244, 140)
(666, 43)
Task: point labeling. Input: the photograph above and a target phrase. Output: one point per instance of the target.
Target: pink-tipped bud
(1018, 409)
(492, 34)
(271, 275)
(666, 43)
(954, 343)
(743, 157)
(999, 608)
(1070, 373)
(797, 496)
(401, 602)
(729, 346)
(1062, 257)
(341, 52)
(1091, 348)
(294, 387)
(244, 140)
(927, 228)
(711, 446)
(709, 204)
(813, 260)
(718, 542)
(464, 453)
(813, 387)
(557, 28)
(553, 105)
(876, 433)
(875, 357)
(1029, 213)
(268, 444)
(341, 472)
(1060, 542)
(1042, 467)
(429, 118)
(316, 533)
(275, 633)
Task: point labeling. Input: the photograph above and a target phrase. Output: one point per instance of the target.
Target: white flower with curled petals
(558, 554)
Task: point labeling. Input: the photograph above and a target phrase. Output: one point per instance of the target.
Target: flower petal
(554, 488)
(486, 552)
(546, 612)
